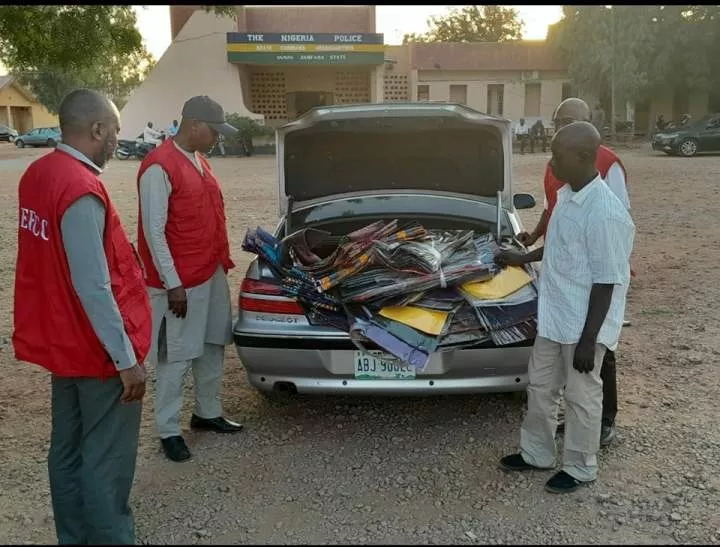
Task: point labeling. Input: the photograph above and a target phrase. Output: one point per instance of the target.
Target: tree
(54, 49)
(472, 24)
(651, 48)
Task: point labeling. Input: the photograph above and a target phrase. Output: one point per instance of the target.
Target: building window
(458, 94)
(532, 100)
(495, 99)
(566, 90)
(423, 93)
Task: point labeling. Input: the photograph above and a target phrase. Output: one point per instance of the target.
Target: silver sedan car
(343, 167)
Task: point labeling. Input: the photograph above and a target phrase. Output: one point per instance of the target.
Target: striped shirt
(589, 241)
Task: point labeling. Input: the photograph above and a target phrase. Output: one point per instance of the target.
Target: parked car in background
(7, 133)
(342, 167)
(702, 135)
(40, 136)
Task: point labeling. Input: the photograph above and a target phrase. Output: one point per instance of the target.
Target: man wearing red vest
(82, 312)
(612, 172)
(183, 244)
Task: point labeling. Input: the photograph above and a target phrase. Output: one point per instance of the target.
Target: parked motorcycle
(127, 149)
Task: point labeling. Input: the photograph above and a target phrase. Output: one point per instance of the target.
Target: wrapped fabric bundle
(451, 275)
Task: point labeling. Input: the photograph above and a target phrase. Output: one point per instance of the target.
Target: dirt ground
(327, 470)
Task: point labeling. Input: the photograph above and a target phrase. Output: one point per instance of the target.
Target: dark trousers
(524, 139)
(542, 139)
(609, 379)
(91, 463)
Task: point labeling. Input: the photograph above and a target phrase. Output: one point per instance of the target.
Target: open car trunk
(420, 147)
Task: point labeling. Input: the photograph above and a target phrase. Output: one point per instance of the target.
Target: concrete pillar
(377, 84)
(413, 83)
(9, 116)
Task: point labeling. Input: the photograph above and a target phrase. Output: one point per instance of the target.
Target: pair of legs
(207, 373)
(91, 462)
(525, 139)
(551, 368)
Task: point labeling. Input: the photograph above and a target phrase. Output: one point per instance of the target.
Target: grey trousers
(551, 368)
(208, 375)
(91, 463)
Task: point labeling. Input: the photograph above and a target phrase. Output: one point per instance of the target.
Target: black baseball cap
(203, 109)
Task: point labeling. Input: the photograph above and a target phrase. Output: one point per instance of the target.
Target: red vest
(603, 162)
(51, 327)
(195, 229)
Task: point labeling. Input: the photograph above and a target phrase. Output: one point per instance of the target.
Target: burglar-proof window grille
(458, 94)
(352, 87)
(396, 88)
(495, 99)
(267, 95)
(423, 93)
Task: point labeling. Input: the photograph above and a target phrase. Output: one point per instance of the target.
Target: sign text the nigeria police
(303, 38)
(305, 48)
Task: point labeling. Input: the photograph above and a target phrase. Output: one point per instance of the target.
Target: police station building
(273, 63)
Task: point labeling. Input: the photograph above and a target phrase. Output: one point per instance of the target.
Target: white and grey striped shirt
(589, 241)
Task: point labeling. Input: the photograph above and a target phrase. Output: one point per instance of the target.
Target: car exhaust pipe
(285, 388)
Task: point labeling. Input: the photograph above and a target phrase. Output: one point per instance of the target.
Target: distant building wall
(20, 109)
(194, 64)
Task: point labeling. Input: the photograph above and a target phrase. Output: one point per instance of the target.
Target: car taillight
(260, 296)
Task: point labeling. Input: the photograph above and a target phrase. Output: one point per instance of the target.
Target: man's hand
(584, 359)
(133, 380)
(177, 301)
(527, 239)
(510, 258)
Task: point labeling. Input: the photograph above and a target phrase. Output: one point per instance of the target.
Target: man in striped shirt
(612, 171)
(581, 302)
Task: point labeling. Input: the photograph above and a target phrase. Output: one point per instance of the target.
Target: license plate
(377, 365)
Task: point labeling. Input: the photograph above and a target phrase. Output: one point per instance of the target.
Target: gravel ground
(339, 470)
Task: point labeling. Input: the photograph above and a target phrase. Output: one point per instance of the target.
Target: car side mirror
(523, 201)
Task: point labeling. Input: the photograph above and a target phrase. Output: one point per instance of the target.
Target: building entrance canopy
(297, 48)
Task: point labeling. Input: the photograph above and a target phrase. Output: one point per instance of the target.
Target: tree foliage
(653, 47)
(54, 49)
(472, 24)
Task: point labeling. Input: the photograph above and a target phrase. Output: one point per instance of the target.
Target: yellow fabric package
(428, 321)
(511, 279)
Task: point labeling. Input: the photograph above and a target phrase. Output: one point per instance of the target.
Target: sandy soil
(418, 470)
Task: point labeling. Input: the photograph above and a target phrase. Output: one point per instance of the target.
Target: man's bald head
(580, 136)
(574, 149)
(90, 123)
(571, 110)
(81, 108)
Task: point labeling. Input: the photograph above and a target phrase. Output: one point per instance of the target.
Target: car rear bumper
(327, 367)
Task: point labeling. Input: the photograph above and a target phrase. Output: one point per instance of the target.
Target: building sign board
(305, 48)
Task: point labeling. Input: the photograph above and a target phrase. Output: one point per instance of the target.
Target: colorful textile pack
(404, 289)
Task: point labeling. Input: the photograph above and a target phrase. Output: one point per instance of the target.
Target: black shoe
(176, 449)
(515, 462)
(563, 483)
(607, 433)
(219, 425)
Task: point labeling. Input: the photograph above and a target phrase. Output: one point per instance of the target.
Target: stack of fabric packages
(406, 290)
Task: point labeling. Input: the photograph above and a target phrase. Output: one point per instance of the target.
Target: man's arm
(609, 247)
(615, 179)
(516, 258)
(155, 192)
(82, 227)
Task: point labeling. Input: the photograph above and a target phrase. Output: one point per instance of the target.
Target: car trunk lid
(418, 147)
